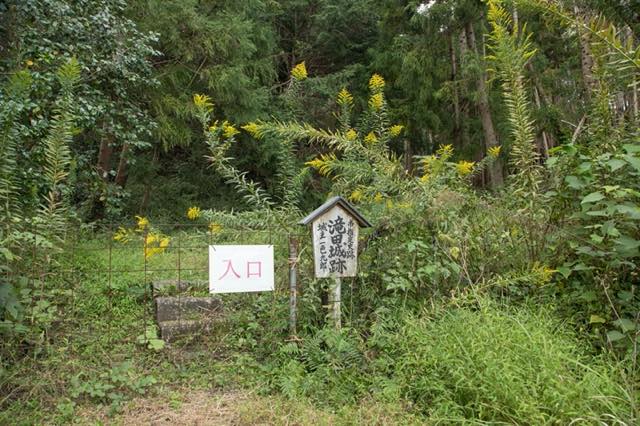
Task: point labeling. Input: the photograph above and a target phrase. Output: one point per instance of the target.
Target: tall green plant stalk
(511, 51)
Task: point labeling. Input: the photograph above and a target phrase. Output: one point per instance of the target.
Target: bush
(486, 363)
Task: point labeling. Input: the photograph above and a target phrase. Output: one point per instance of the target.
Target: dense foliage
(495, 146)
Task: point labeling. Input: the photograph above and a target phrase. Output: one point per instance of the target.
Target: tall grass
(487, 363)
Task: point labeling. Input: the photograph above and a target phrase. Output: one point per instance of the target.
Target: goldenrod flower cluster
(494, 151)
(356, 195)
(351, 135)
(253, 129)
(376, 83)
(154, 242)
(445, 151)
(464, 167)
(193, 213)
(370, 138)
(544, 272)
(215, 228)
(299, 72)
(228, 130)
(142, 222)
(378, 198)
(322, 164)
(375, 101)
(202, 101)
(395, 131)
(345, 98)
(123, 235)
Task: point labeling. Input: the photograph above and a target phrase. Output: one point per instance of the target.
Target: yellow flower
(193, 213)
(202, 101)
(253, 129)
(299, 72)
(396, 130)
(29, 63)
(425, 178)
(164, 243)
(215, 228)
(389, 204)
(143, 222)
(228, 130)
(345, 98)
(322, 164)
(378, 198)
(544, 272)
(214, 127)
(351, 135)
(464, 167)
(494, 151)
(155, 243)
(445, 151)
(122, 235)
(356, 195)
(375, 102)
(376, 83)
(454, 252)
(370, 138)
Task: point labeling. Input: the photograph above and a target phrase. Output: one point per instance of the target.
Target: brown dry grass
(203, 408)
(189, 407)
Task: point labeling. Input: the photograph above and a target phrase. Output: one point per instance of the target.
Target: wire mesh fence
(94, 275)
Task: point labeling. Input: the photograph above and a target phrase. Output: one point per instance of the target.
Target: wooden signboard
(335, 226)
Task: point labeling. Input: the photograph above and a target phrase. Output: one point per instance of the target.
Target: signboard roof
(330, 203)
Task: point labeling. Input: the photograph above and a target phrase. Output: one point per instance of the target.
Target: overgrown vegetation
(494, 146)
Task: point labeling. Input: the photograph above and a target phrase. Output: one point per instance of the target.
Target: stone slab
(186, 308)
(171, 330)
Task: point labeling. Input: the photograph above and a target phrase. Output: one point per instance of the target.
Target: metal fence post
(293, 284)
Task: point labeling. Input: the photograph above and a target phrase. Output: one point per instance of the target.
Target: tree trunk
(408, 156)
(121, 175)
(464, 103)
(586, 58)
(490, 139)
(544, 143)
(456, 100)
(104, 158)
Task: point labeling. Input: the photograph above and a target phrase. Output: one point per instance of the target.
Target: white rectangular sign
(235, 269)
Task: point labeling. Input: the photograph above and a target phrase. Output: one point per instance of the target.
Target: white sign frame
(241, 268)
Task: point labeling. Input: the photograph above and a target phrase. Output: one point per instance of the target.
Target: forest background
(494, 145)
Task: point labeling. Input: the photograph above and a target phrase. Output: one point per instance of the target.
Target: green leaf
(614, 336)
(631, 210)
(156, 344)
(564, 271)
(574, 182)
(634, 161)
(627, 245)
(631, 148)
(615, 163)
(596, 319)
(589, 296)
(596, 238)
(625, 324)
(592, 198)
(625, 295)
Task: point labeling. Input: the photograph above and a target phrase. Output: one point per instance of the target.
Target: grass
(483, 363)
